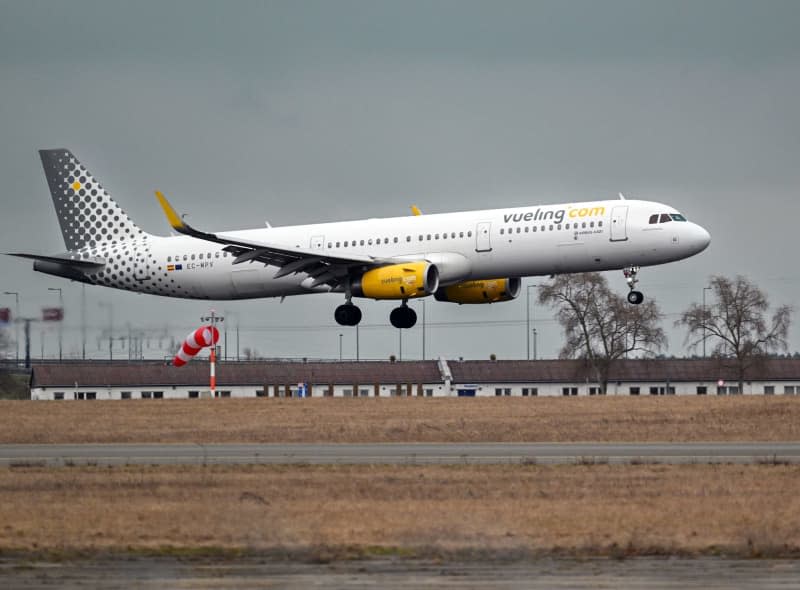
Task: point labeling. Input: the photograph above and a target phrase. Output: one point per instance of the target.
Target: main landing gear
(401, 317)
(635, 297)
(347, 314)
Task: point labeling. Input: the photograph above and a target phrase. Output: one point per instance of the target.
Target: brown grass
(404, 420)
(600, 509)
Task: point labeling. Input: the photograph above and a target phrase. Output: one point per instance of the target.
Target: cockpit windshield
(665, 218)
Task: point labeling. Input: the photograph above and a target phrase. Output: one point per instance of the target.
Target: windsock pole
(212, 362)
(213, 318)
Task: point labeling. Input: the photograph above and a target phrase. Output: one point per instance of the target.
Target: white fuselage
(488, 244)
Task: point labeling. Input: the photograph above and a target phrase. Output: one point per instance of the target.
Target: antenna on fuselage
(621, 197)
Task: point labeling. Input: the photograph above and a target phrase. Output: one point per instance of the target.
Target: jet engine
(397, 281)
(486, 291)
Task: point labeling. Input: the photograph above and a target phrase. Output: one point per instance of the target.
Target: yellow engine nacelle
(398, 281)
(487, 291)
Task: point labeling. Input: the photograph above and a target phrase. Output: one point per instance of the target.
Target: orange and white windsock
(194, 343)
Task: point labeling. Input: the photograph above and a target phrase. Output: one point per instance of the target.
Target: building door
(619, 221)
(483, 241)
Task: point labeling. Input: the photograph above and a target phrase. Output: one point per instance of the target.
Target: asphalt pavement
(398, 453)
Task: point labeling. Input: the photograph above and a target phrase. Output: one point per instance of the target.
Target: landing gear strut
(347, 314)
(403, 316)
(635, 297)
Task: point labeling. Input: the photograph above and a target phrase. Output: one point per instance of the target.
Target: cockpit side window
(665, 218)
(653, 219)
(677, 217)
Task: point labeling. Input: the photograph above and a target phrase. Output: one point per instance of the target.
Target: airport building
(441, 378)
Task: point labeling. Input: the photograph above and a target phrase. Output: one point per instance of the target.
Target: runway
(397, 454)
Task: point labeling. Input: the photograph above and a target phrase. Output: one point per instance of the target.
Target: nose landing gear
(403, 316)
(634, 297)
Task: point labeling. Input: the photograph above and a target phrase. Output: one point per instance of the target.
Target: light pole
(534, 344)
(358, 355)
(704, 319)
(61, 321)
(528, 320)
(423, 329)
(16, 323)
(340, 347)
(400, 347)
(110, 328)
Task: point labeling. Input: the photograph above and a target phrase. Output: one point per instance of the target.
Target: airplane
(469, 257)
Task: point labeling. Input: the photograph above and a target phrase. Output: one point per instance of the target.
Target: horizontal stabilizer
(87, 264)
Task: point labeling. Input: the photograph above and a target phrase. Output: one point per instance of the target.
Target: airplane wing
(323, 268)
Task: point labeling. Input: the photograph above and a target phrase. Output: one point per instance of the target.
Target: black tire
(347, 315)
(635, 297)
(403, 317)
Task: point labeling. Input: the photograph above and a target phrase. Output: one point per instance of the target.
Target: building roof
(257, 373)
(260, 373)
(632, 370)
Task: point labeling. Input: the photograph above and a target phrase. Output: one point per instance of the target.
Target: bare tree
(737, 323)
(599, 325)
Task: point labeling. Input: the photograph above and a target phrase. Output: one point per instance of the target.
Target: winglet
(174, 219)
(415, 210)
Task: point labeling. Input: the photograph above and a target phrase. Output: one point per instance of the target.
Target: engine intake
(485, 291)
(397, 281)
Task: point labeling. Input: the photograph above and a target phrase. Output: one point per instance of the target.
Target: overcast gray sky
(301, 111)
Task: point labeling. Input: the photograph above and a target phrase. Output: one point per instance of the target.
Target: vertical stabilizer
(86, 212)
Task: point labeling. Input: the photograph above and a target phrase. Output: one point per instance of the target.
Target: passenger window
(461, 234)
(469, 234)
(185, 258)
(444, 236)
(599, 224)
(558, 227)
(437, 236)
(653, 218)
(534, 229)
(665, 218)
(526, 229)
(566, 226)
(386, 240)
(502, 231)
(169, 258)
(369, 242)
(338, 244)
(200, 256)
(362, 242)
(591, 224)
(396, 239)
(519, 230)
(429, 236)
(583, 225)
(408, 238)
(193, 256)
(551, 228)
(453, 235)
(330, 245)
(216, 254)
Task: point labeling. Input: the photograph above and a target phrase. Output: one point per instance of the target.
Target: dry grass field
(406, 510)
(606, 419)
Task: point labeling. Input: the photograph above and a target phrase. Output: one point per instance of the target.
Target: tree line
(601, 327)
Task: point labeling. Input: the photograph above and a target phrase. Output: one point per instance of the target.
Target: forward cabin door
(483, 242)
(317, 242)
(619, 221)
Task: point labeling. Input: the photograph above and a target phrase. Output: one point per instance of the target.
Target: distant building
(156, 380)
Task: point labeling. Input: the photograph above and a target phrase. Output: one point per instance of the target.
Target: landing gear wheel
(635, 297)
(403, 317)
(347, 315)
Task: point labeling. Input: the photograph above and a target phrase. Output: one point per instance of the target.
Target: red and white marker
(194, 343)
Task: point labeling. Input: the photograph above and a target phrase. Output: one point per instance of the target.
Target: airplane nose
(700, 237)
